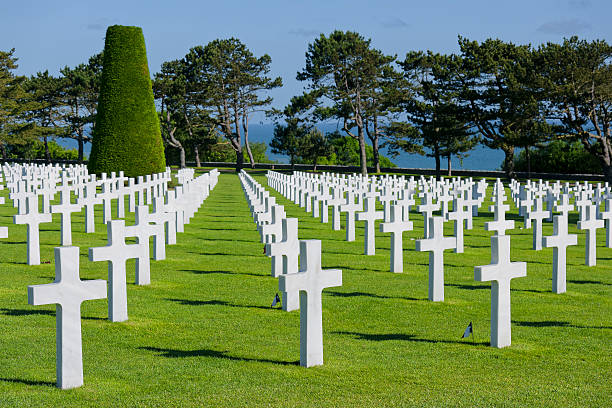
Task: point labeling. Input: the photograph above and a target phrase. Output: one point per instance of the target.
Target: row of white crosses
(529, 198)
(68, 291)
(308, 280)
(85, 188)
(357, 197)
(501, 270)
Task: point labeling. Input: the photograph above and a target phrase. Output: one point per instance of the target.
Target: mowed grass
(203, 332)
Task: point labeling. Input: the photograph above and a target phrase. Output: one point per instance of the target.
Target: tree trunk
(197, 156)
(448, 166)
(375, 146)
(528, 156)
(362, 152)
(47, 154)
(3, 147)
(508, 165)
(239, 160)
(608, 173)
(182, 156)
(245, 128)
(81, 143)
(436, 152)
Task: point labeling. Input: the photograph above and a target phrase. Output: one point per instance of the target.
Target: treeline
(545, 99)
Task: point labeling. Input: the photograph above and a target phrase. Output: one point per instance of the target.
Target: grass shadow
(588, 282)
(187, 302)
(468, 287)
(404, 337)
(29, 382)
(175, 353)
(34, 312)
(365, 294)
(199, 272)
(554, 323)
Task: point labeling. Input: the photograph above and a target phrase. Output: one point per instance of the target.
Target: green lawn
(203, 334)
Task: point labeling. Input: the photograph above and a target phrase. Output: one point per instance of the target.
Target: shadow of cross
(310, 282)
(67, 292)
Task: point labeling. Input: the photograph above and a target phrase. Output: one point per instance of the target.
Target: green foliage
(36, 150)
(258, 149)
(346, 152)
(559, 156)
(126, 134)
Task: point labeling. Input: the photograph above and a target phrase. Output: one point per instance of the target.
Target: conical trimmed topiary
(126, 134)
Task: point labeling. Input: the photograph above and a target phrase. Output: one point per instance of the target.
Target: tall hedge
(126, 134)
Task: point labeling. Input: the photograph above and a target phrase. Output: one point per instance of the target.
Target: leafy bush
(346, 152)
(559, 156)
(36, 150)
(126, 134)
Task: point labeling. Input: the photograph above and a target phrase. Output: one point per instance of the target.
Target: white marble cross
(591, 224)
(350, 208)
(67, 292)
(560, 240)
(33, 219)
(272, 232)
(370, 215)
(427, 208)
(65, 208)
(335, 203)
(606, 216)
(458, 215)
(436, 243)
(142, 230)
(284, 255)
(500, 272)
(154, 228)
(499, 223)
(396, 227)
(162, 217)
(106, 195)
(117, 252)
(310, 282)
(89, 200)
(538, 214)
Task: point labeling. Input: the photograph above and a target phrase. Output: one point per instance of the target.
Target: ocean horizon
(480, 158)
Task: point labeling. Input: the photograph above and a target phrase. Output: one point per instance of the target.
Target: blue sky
(48, 35)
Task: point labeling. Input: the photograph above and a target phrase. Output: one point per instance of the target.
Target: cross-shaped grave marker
(310, 282)
(33, 219)
(335, 203)
(89, 201)
(500, 272)
(116, 252)
(590, 224)
(350, 208)
(560, 240)
(370, 215)
(606, 216)
(284, 255)
(68, 291)
(427, 208)
(65, 208)
(537, 215)
(458, 215)
(396, 227)
(436, 243)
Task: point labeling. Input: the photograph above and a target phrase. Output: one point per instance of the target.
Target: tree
(170, 89)
(44, 115)
(13, 101)
(437, 122)
(575, 78)
(80, 90)
(287, 137)
(498, 94)
(126, 134)
(313, 146)
(343, 70)
(230, 82)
